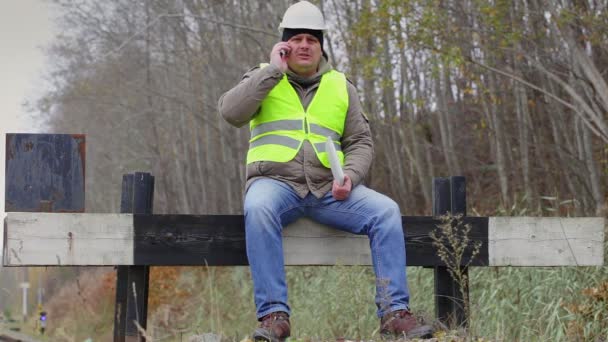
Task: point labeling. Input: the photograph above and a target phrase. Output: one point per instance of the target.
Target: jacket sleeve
(238, 105)
(357, 144)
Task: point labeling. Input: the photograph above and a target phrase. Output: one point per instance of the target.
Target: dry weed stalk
(451, 240)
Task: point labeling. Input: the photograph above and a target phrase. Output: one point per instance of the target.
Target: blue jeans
(271, 205)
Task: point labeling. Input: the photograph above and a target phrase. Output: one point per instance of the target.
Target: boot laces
(269, 319)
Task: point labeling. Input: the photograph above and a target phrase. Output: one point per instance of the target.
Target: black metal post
(132, 281)
(449, 196)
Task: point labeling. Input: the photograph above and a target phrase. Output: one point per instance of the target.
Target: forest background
(511, 94)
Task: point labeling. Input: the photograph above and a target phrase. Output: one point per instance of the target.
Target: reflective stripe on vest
(281, 124)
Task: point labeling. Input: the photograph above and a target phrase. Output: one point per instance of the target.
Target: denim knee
(391, 208)
(260, 216)
(388, 216)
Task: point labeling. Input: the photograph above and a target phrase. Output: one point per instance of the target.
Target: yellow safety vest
(281, 126)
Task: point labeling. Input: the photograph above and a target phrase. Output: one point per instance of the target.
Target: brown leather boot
(274, 327)
(402, 323)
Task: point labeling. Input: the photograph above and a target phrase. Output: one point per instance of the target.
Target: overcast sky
(25, 27)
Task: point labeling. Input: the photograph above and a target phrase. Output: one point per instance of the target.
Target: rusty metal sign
(45, 172)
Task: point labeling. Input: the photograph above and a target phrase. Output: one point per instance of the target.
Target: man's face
(305, 54)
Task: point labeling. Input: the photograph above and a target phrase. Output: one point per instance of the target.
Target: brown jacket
(305, 172)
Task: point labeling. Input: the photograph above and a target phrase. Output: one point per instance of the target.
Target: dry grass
(509, 304)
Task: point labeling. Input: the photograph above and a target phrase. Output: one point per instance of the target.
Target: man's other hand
(278, 55)
(341, 192)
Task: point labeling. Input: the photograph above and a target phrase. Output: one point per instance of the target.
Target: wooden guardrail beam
(47, 239)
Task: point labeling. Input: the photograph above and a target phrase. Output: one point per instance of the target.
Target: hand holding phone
(279, 54)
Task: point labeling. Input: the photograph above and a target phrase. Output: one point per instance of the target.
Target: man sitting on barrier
(293, 104)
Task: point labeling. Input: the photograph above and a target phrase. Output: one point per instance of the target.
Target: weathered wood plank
(311, 243)
(68, 239)
(546, 241)
(220, 240)
(125, 239)
(189, 240)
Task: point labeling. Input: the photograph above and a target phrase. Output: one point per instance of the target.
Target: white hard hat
(303, 15)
